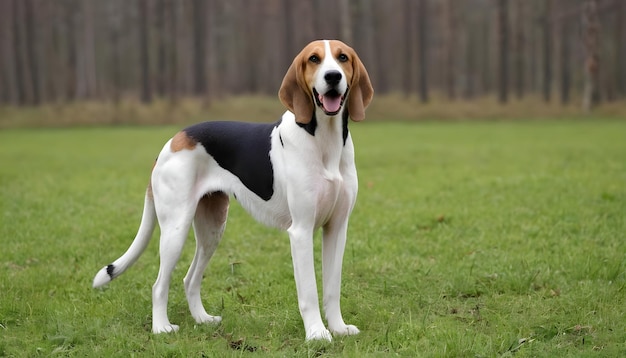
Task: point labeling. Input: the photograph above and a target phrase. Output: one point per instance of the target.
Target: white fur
(315, 186)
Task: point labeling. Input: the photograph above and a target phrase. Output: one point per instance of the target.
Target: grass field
(468, 239)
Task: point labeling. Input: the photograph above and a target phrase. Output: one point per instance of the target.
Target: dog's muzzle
(331, 101)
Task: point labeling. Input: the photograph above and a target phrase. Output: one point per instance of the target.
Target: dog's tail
(144, 234)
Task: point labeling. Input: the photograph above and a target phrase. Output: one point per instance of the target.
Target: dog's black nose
(332, 77)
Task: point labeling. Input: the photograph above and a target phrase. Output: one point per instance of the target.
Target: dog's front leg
(333, 247)
(301, 238)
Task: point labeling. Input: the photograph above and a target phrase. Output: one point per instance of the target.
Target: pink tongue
(331, 104)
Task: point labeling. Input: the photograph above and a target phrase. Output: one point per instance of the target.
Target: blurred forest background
(67, 51)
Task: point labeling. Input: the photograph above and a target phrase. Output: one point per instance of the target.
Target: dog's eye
(343, 57)
(314, 59)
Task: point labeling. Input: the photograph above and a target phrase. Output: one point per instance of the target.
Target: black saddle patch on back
(242, 149)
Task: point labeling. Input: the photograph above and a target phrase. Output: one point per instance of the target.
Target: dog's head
(326, 74)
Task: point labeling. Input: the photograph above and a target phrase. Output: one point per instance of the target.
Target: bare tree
(422, 44)
(592, 58)
(547, 50)
(86, 56)
(620, 47)
(565, 56)
(81, 49)
(20, 82)
(71, 49)
(449, 46)
(32, 53)
(503, 57)
(144, 52)
(486, 61)
(52, 70)
(115, 31)
(365, 42)
(7, 63)
(304, 31)
(520, 47)
(470, 45)
(346, 21)
(409, 21)
(161, 58)
(173, 53)
(199, 48)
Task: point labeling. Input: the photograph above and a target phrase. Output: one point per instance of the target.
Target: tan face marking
(311, 57)
(182, 141)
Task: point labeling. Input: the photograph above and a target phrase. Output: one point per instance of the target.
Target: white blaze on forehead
(329, 61)
(327, 48)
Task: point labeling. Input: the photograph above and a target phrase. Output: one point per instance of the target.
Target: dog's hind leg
(208, 225)
(175, 220)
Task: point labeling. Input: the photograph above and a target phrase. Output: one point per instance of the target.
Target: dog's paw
(319, 334)
(345, 330)
(208, 319)
(166, 328)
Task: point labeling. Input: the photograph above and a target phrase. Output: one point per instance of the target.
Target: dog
(297, 175)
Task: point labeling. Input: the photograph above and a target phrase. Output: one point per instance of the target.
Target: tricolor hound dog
(297, 175)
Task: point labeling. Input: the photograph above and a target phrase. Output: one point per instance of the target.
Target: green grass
(468, 239)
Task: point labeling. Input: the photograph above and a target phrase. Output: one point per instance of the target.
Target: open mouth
(330, 102)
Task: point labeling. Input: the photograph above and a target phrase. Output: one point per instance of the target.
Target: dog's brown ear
(294, 93)
(361, 91)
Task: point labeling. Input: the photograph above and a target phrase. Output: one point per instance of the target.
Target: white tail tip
(104, 276)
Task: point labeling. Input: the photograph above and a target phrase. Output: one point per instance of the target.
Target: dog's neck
(331, 133)
(328, 127)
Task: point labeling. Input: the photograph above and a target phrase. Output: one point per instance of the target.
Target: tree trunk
(199, 47)
(365, 45)
(173, 54)
(503, 57)
(144, 52)
(592, 58)
(449, 34)
(288, 32)
(70, 36)
(547, 51)
(20, 81)
(565, 60)
(6, 85)
(620, 47)
(7, 61)
(409, 20)
(486, 61)
(470, 62)
(161, 81)
(346, 21)
(50, 40)
(422, 44)
(520, 47)
(86, 57)
(303, 11)
(32, 52)
(115, 23)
